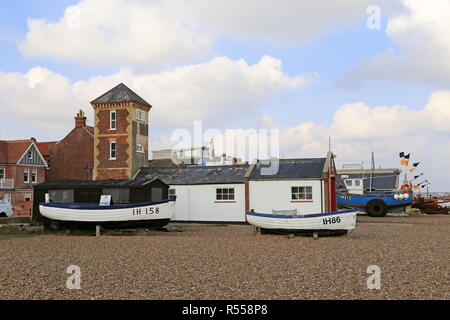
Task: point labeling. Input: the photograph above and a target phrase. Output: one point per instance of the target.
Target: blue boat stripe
(90, 206)
(314, 215)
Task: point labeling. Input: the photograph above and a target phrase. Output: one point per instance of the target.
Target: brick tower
(120, 134)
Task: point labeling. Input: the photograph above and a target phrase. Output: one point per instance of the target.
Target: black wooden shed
(88, 191)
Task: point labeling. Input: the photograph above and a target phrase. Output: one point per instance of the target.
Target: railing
(7, 184)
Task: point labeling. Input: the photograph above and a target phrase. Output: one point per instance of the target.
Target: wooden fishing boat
(148, 214)
(339, 222)
(376, 204)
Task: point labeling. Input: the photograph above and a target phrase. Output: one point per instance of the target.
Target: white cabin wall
(266, 196)
(198, 203)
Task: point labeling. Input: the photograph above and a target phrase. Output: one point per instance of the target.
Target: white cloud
(155, 34)
(358, 129)
(218, 91)
(114, 32)
(422, 35)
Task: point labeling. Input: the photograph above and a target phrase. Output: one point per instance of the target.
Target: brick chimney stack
(80, 120)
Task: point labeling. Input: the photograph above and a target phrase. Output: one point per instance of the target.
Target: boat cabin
(122, 191)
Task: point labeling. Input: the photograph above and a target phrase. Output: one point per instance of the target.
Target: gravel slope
(229, 262)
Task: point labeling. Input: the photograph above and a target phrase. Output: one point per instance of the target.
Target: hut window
(61, 196)
(118, 195)
(225, 194)
(301, 193)
(357, 183)
(172, 193)
(112, 150)
(26, 175)
(112, 120)
(349, 183)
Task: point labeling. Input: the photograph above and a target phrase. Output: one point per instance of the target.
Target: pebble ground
(230, 262)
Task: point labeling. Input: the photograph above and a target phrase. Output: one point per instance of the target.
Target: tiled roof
(195, 174)
(120, 93)
(162, 163)
(290, 169)
(12, 150)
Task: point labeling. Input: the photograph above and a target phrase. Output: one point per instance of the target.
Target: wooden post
(97, 230)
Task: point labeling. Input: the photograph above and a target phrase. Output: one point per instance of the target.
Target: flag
(416, 187)
(416, 164)
(415, 177)
(402, 154)
(407, 156)
(412, 170)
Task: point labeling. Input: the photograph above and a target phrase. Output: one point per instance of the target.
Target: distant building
(120, 133)
(73, 156)
(22, 164)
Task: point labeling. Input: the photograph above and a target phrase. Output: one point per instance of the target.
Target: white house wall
(266, 196)
(198, 203)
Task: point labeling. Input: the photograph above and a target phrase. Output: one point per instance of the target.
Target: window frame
(111, 120)
(26, 173)
(27, 195)
(34, 174)
(139, 115)
(3, 174)
(225, 197)
(142, 148)
(111, 150)
(7, 197)
(302, 194)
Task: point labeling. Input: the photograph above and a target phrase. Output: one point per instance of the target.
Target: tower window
(112, 150)
(112, 120)
(140, 148)
(140, 115)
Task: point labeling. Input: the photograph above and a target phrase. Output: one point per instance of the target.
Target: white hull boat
(339, 222)
(147, 214)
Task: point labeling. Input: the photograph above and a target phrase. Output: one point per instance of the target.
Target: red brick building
(22, 164)
(120, 133)
(72, 157)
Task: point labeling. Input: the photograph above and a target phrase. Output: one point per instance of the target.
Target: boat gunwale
(91, 206)
(314, 215)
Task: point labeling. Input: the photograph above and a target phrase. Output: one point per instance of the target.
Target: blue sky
(166, 51)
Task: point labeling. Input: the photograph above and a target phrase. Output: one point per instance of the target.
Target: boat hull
(149, 214)
(345, 200)
(337, 222)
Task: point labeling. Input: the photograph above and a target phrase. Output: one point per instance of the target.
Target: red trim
(294, 201)
(224, 201)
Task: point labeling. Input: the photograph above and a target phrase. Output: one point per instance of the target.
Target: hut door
(157, 194)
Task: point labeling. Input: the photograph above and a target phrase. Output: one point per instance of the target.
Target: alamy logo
(374, 281)
(374, 20)
(74, 281)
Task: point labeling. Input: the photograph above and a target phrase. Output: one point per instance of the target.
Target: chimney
(80, 120)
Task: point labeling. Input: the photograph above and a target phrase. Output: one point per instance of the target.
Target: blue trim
(314, 215)
(90, 206)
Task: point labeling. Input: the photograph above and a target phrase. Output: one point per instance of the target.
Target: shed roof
(195, 174)
(289, 169)
(112, 183)
(121, 93)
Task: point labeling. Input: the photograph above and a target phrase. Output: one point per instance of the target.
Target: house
(308, 185)
(73, 156)
(204, 193)
(120, 133)
(22, 165)
(122, 191)
(225, 193)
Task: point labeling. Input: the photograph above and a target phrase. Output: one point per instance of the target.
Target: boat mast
(371, 172)
(329, 174)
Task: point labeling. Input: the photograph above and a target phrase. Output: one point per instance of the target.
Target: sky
(374, 75)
